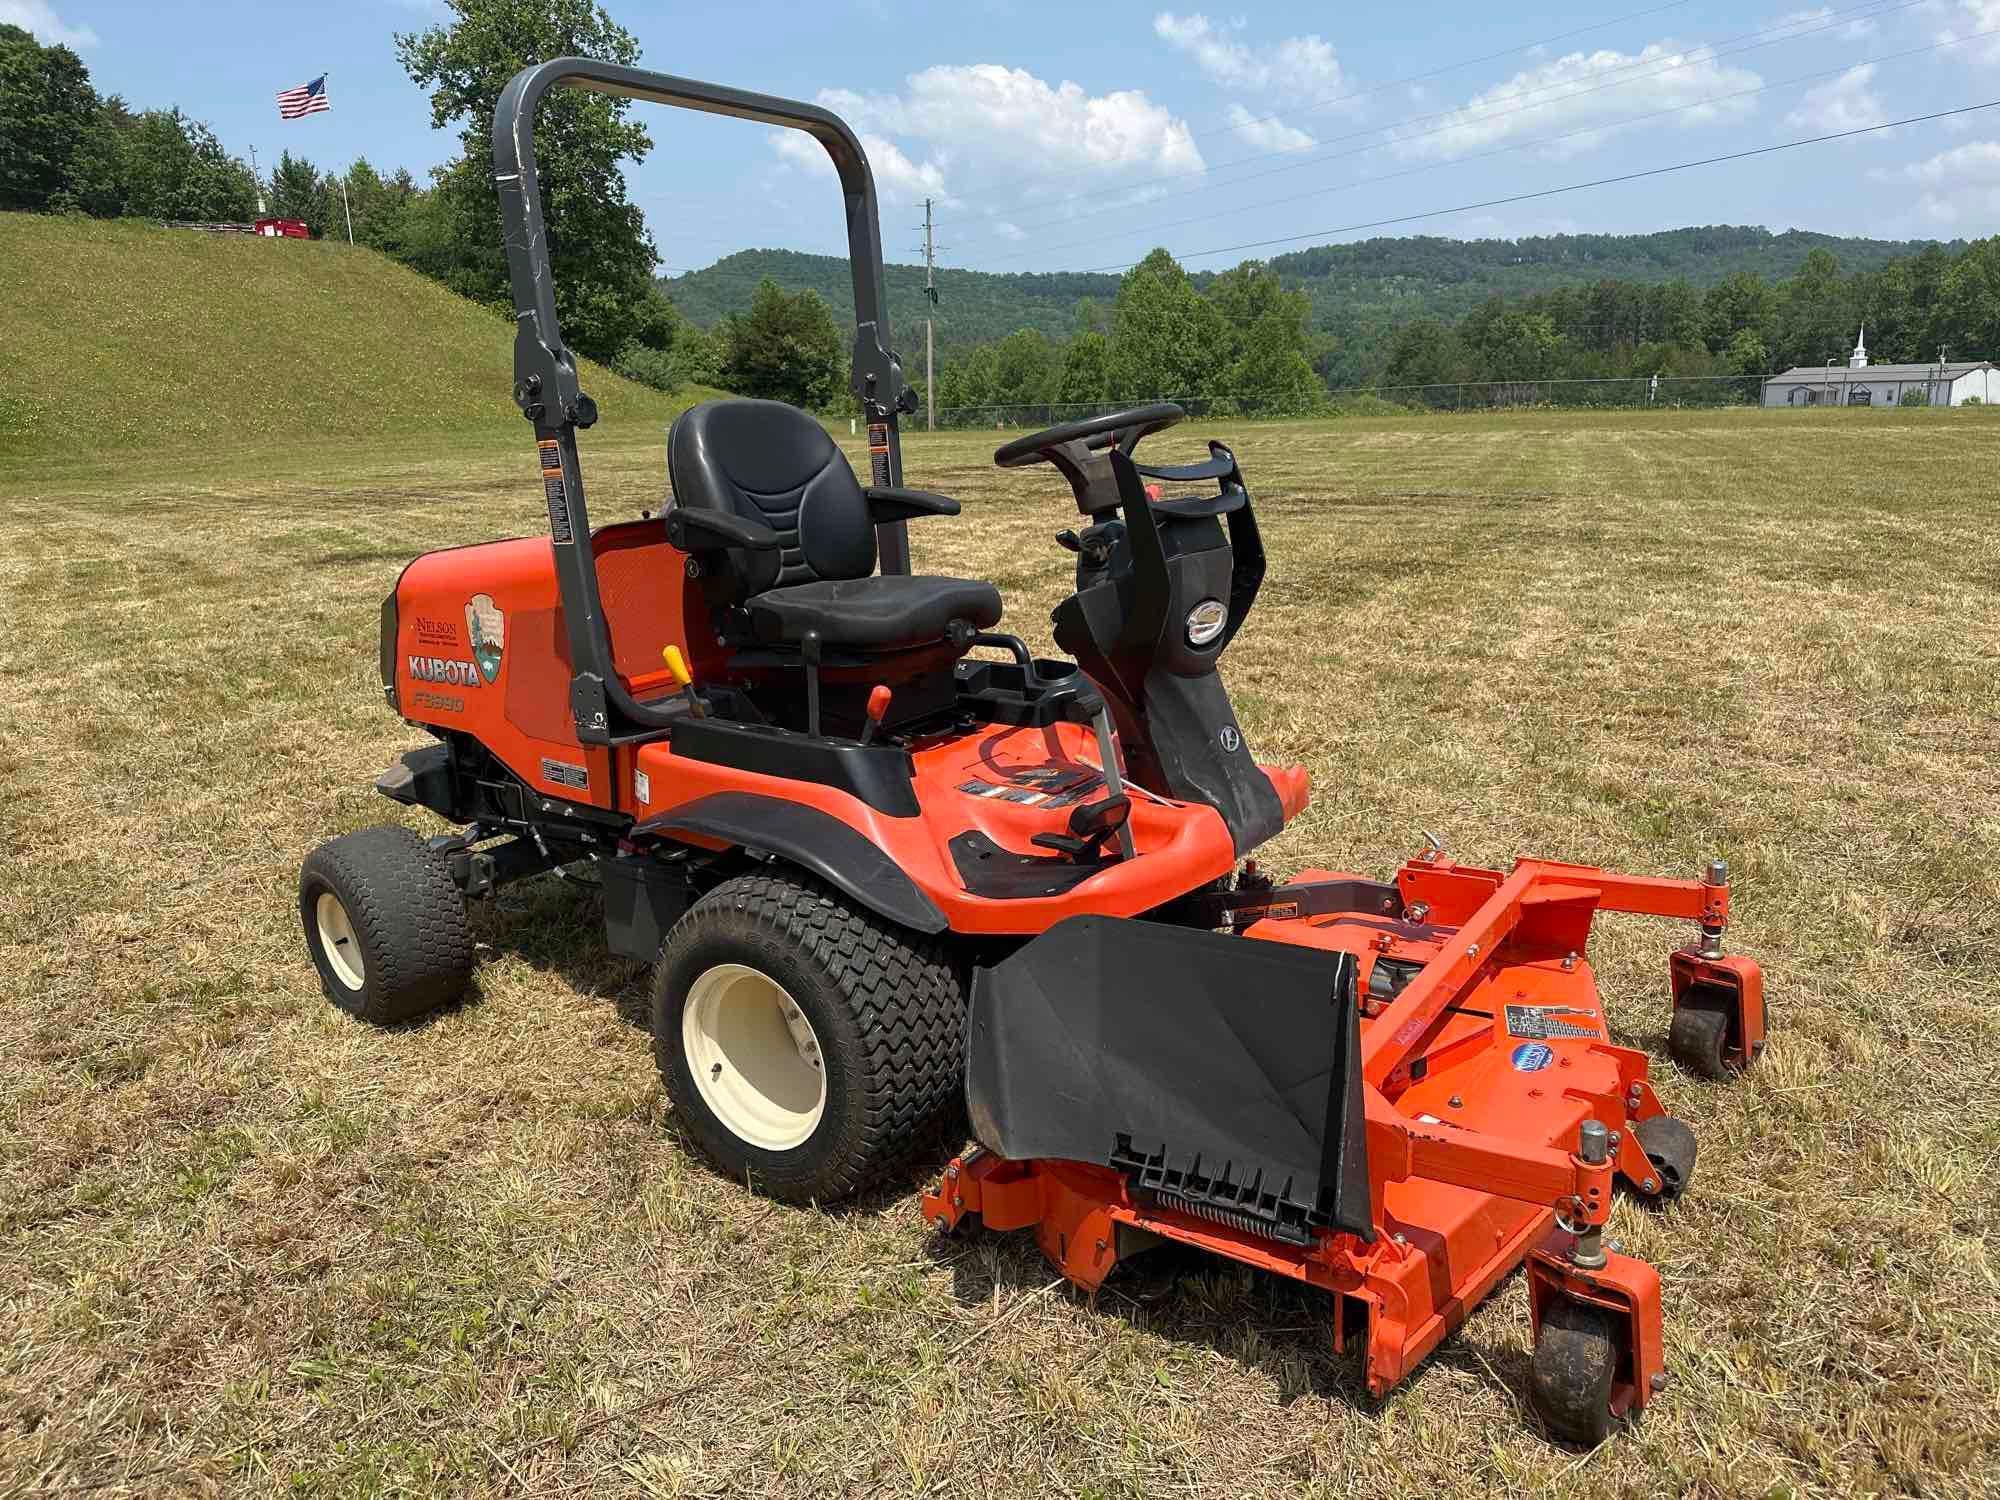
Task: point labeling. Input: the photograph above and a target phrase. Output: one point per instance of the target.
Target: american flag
(303, 100)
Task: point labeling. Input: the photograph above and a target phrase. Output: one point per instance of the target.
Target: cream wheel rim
(337, 940)
(754, 1056)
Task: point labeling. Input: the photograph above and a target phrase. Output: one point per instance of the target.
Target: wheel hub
(754, 1056)
(338, 941)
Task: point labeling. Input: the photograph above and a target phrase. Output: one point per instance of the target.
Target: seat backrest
(771, 463)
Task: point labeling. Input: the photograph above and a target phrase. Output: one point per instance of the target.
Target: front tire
(1575, 1364)
(808, 1047)
(385, 925)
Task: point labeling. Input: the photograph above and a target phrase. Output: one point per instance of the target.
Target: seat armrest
(908, 505)
(703, 530)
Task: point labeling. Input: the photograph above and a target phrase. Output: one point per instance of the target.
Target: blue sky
(1076, 137)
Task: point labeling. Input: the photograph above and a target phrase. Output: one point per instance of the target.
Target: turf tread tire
(892, 1000)
(1672, 1149)
(408, 917)
(1575, 1363)
(1698, 1039)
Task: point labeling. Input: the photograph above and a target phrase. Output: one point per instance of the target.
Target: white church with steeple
(1944, 383)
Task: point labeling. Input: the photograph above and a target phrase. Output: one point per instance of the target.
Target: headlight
(1205, 621)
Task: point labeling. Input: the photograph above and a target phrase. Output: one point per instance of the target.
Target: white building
(1943, 383)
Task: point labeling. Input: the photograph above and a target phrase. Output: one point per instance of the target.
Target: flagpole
(348, 211)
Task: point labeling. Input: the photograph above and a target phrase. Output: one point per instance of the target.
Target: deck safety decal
(1540, 1022)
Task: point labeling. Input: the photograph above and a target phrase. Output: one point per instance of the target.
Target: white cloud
(957, 130)
(48, 27)
(1844, 103)
(1300, 69)
(1813, 23)
(1959, 185)
(1582, 89)
(1980, 16)
(1265, 132)
(898, 179)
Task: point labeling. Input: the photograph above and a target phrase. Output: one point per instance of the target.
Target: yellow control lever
(677, 664)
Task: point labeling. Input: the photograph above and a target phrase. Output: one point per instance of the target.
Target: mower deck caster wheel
(808, 1047)
(1670, 1147)
(1576, 1361)
(385, 925)
(1699, 1039)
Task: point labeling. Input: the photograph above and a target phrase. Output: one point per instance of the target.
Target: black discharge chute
(1219, 1073)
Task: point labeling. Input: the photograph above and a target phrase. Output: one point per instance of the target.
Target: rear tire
(808, 1047)
(1576, 1361)
(385, 925)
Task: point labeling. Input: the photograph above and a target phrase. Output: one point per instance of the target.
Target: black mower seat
(774, 466)
(873, 614)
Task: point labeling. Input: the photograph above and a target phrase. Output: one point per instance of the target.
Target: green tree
(1086, 370)
(1166, 338)
(1273, 378)
(1968, 305)
(1425, 352)
(785, 348)
(177, 169)
(96, 181)
(1817, 316)
(697, 356)
(47, 108)
(1746, 353)
(603, 256)
(297, 192)
(1025, 369)
(1739, 301)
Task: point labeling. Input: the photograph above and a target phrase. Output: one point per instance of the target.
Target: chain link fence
(1613, 393)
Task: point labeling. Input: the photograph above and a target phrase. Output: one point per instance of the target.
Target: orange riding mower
(892, 869)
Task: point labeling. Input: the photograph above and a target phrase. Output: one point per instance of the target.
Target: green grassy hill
(127, 336)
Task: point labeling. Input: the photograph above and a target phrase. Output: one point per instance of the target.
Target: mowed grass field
(249, 1246)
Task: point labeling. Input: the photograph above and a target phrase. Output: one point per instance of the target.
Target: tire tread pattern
(906, 999)
(409, 916)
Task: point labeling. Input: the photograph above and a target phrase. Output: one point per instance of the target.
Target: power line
(1458, 117)
(1547, 140)
(1574, 187)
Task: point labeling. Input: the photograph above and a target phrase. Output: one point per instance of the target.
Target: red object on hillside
(288, 229)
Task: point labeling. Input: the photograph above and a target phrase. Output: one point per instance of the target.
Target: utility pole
(258, 178)
(930, 291)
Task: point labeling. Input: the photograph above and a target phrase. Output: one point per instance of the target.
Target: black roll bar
(545, 380)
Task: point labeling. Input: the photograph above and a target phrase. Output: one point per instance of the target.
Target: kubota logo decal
(444, 669)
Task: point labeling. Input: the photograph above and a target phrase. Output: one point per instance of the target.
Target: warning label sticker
(1541, 1022)
(562, 773)
(1036, 786)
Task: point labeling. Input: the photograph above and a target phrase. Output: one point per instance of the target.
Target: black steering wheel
(1125, 428)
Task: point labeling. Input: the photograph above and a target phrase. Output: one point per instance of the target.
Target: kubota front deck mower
(880, 876)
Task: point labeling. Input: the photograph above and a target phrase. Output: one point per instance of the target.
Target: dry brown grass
(248, 1245)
